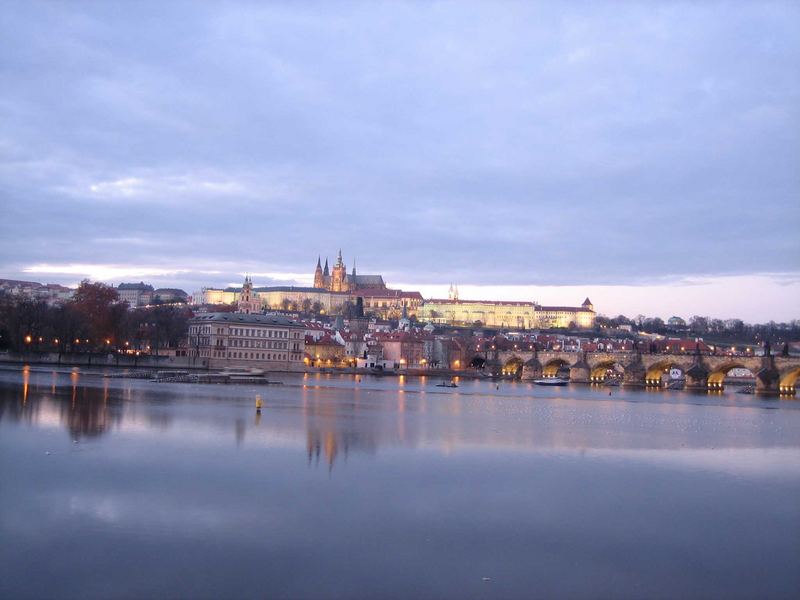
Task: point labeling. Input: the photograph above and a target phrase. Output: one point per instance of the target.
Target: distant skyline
(645, 155)
(717, 297)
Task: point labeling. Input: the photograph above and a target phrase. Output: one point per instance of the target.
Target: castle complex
(334, 289)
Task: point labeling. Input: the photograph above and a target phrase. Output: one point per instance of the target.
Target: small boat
(551, 381)
(748, 389)
(452, 384)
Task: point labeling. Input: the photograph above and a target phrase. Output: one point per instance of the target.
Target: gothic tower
(319, 281)
(339, 276)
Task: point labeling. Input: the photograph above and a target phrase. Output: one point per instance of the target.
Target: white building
(135, 294)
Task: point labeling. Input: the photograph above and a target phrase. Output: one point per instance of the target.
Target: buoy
(259, 404)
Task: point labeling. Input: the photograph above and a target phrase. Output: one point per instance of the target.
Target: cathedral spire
(319, 281)
(326, 272)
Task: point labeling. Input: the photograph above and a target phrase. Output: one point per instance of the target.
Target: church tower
(339, 276)
(319, 281)
(247, 303)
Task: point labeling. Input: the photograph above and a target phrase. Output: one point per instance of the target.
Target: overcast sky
(648, 154)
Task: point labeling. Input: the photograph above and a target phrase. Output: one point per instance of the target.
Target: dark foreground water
(391, 488)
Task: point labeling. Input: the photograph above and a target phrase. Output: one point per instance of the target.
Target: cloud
(165, 188)
(515, 144)
(101, 272)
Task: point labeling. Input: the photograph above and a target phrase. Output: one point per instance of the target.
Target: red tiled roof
(325, 340)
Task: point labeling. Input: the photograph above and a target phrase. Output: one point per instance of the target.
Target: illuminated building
(551, 317)
(247, 340)
(489, 313)
(247, 302)
(338, 280)
(216, 296)
(389, 304)
(505, 314)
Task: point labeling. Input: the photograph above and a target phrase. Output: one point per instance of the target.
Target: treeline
(731, 330)
(93, 321)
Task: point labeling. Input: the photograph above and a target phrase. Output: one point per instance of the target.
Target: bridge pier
(633, 374)
(768, 377)
(532, 369)
(697, 376)
(580, 371)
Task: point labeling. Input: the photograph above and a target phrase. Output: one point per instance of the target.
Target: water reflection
(385, 488)
(333, 416)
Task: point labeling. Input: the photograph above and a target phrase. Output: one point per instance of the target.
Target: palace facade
(247, 340)
(505, 314)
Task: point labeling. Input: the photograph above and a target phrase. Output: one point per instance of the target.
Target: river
(392, 488)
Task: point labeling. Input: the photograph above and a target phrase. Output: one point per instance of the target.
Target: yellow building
(551, 317)
(505, 314)
(490, 313)
(217, 296)
(301, 299)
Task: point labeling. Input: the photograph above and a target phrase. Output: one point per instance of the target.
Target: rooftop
(492, 302)
(144, 287)
(231, 317)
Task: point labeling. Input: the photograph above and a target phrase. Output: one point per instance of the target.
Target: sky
(644, 154)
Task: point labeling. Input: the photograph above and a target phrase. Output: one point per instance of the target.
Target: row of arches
(658, 375)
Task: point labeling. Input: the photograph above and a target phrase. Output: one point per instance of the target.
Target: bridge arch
(477, 362)
(513, 366)
(716, 378)
(788, 382)
(600, 372)
(653, 377)
(553, 366)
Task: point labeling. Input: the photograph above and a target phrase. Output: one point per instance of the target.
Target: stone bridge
(774, 374)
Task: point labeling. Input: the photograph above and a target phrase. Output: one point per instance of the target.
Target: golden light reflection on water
(335, 417)
(26, 377)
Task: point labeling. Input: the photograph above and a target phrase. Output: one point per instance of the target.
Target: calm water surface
(392, 488)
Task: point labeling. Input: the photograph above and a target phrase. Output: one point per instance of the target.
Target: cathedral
(338, 280)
